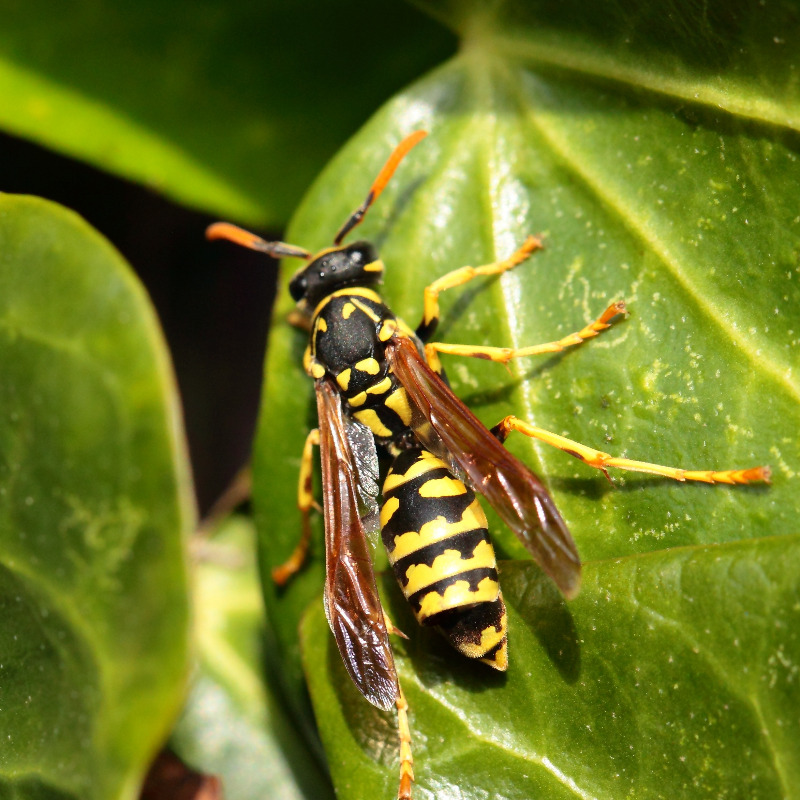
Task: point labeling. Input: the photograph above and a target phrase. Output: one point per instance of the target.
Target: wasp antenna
(233, 233)
(378, 185)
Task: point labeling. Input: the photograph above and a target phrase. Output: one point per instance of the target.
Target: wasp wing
(365, 462)
(352, 605)
(441, 420)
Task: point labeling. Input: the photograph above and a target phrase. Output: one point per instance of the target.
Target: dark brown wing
(514, 491)
(351, 597)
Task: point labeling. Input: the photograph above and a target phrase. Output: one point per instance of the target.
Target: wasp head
(336, 268)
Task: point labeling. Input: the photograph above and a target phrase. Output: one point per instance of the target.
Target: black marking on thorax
(349, 332)
(345, 334)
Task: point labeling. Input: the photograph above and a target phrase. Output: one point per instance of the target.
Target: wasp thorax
(354, 265)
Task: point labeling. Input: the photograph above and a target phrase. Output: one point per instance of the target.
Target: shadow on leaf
(542, 608)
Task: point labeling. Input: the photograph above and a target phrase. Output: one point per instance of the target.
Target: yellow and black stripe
(432, 524)
(436, 535)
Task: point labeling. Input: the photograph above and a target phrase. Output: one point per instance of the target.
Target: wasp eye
(298, 288)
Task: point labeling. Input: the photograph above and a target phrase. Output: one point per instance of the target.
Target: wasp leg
(403, 728)
(601, 460)
(458, 277)
(305, 502)
(406, 759)
(503, 355)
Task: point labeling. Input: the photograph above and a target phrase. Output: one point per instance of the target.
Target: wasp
(380, 386)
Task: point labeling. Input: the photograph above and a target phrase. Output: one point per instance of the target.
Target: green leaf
(636, 689)
(94, 503)
(231, 107)
(234, 725)
(738, 57)
(685, 210)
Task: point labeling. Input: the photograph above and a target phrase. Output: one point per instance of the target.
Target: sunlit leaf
(636, 689)
(682, 206)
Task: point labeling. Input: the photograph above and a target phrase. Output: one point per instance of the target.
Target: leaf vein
(613, 201)
(703, 93)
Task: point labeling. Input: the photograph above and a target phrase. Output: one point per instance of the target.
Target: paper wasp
(380, 385)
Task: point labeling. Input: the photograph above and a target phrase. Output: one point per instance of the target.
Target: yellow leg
(404, 730)
(503, 355)
(458, 277)
(406, 759)
(305, 502)
(601, 460)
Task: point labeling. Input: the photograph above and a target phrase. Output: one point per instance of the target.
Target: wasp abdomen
(436, 535)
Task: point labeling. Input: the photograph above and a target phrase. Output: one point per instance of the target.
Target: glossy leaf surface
(636, 689)
(94, 505)
(684, 209)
